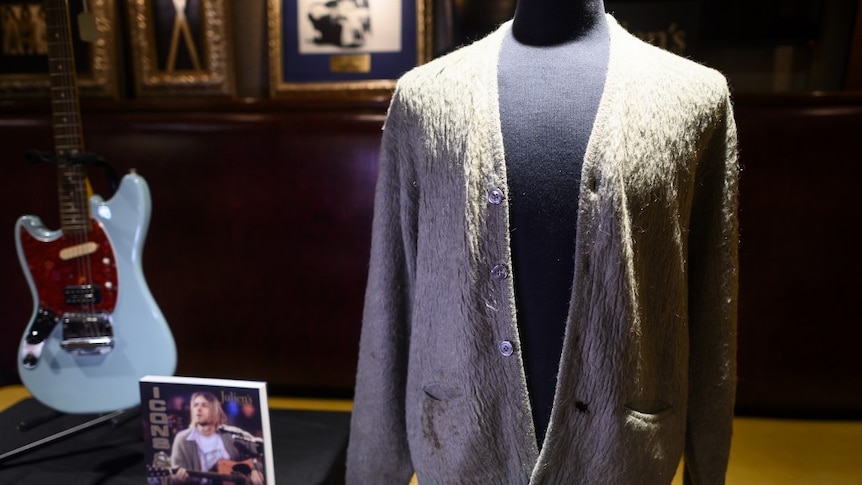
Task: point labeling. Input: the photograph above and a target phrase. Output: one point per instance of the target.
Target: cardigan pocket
(655, 433)
(443, 434)
(648, 411)
(442, 392)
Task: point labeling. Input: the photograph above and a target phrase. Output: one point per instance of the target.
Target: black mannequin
(551, 76)
(554, 22)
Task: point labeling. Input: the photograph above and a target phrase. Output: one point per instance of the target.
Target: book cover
(206, 431)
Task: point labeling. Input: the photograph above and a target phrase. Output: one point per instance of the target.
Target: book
(206, 430)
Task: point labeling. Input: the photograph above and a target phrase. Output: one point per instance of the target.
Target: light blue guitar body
(89, 342)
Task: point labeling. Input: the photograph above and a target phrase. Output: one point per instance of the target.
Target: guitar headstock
(161, 466)
(158, 471)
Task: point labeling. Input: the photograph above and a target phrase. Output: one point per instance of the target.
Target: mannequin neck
(550, 22)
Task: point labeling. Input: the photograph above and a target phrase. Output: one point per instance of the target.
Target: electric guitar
(95, 328)
(226, 472)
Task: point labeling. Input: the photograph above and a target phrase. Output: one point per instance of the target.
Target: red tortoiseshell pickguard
(51, 274)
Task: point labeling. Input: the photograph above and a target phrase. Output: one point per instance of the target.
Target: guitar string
(82, 188)
(61, 109)
(71, 144)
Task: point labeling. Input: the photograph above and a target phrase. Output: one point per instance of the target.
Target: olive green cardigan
(649, 361)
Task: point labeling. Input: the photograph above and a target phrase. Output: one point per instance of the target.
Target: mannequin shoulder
(654, 68)
(469, 67)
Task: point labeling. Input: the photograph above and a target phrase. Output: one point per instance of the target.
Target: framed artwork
(181, 48)
(354, 49)
(24, 50)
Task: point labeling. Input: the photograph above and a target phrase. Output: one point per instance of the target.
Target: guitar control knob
(30, 361)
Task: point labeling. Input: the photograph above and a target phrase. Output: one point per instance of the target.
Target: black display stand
(309, 448)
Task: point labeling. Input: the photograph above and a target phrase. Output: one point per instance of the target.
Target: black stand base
(115, 418)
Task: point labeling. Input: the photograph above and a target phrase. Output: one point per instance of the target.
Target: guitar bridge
(87, 333)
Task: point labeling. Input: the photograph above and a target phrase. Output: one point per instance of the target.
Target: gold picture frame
(181, 48)
(24, 71)
(359, 60)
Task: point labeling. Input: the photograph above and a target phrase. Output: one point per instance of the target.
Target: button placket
(500, 271)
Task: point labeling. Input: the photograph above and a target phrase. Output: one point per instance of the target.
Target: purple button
(499, 272)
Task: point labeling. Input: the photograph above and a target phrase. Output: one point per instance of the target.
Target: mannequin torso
(551, 76)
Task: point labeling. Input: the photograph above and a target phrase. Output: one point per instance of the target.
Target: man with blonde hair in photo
(208, 445)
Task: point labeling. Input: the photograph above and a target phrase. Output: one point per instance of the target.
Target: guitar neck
(226, 470)
(236, 478)
(160, 471)
(73, 187)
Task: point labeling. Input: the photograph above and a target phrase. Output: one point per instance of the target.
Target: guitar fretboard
(66, 115)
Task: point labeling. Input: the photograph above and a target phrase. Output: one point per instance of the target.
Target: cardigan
(648, 368)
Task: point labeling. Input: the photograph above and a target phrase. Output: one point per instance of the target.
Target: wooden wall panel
(800, 271)
(258, 247)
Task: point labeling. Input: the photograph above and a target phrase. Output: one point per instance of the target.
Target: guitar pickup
(87, 333)
(83, 295)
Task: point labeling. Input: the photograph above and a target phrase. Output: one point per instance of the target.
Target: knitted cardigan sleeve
(377, 449)
(713, 281)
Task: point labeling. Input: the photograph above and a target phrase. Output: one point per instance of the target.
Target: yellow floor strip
(306, 404)
(10, 395)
